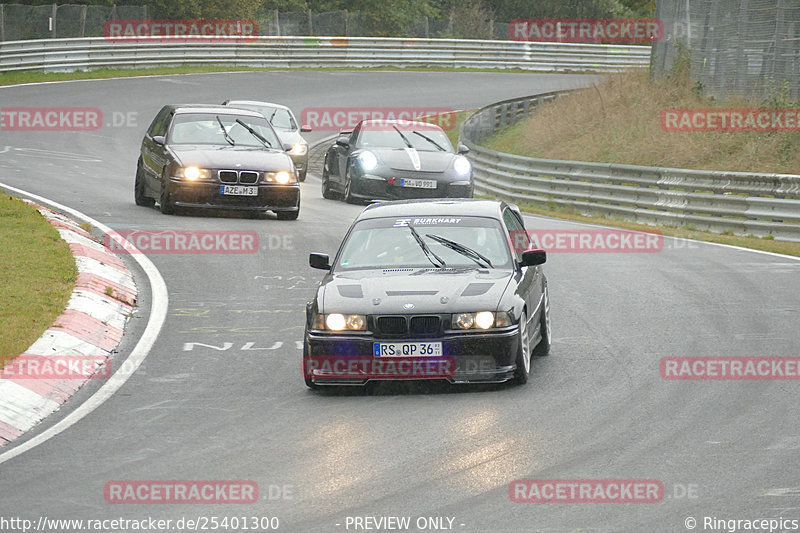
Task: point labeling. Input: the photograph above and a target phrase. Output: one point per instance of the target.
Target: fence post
(345, 22)
(2, 24)
(53, 21)
(310, 23)
(83, 20)
(427, 28)
(144, 12)
(277, 24)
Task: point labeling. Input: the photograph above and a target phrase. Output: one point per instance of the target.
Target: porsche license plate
(407, 349)
(418, 184)
(238, 190)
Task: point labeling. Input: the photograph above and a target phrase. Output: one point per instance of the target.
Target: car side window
(517, 236)
(160, 123)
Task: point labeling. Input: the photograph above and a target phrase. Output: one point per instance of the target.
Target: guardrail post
(277, 24)
(53, 21)
(310, 23)
(346, 16)
(83, 20)
(2, 24)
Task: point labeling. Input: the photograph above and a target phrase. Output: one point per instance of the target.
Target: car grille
(397, 325)
(246, 177)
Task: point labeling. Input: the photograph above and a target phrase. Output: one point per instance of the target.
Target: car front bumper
(270, 197)
(376, 187)
(474, 357)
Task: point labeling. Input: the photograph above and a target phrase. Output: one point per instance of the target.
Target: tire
(167, 207)
(302, 176)
(288, 215)
(348, 190)
(523, 360)
(138, 188)
(327, 193)
(543, 348)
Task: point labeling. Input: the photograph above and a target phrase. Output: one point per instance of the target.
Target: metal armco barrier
(717, 201)
(51, 55)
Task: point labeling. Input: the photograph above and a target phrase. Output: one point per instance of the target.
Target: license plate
(238, 190)
(418, 184)
(407, 349)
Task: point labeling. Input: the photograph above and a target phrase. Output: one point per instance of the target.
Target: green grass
(13, 78)
(38, 274)
(450, 123)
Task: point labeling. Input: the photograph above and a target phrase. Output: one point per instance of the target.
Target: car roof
(207, 108)
(383, 122)
(435, 207)
(254, 102)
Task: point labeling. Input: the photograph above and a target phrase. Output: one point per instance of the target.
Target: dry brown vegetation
(618, 121)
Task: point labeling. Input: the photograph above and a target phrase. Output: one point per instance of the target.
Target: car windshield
(421, 138)
(207, 128)
(390, 243)
(279, 117)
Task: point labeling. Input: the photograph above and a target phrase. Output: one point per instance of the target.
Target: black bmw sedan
(394, 160)
(429, 289)
(215, 157)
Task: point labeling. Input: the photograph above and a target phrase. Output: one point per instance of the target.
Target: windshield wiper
(405, 139)
(254, 133)
(225, 132)
(480, 259)
(430, 254)
(437, 145)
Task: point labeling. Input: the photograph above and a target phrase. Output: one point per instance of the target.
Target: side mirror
(320, 261)
(462, 148)
(305, 128)
(159, 139)
(534, 257)
(343, 142)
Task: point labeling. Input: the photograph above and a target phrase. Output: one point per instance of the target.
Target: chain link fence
(748, 48)
(19, 22)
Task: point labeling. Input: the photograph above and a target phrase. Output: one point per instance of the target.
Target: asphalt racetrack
(221, 397)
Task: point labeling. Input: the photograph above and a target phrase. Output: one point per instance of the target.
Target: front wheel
(543, 348)
(348, 189)
(523, 360)
(167, 207)
(138, 188)
(327, 192)
(288, 215)
(302, 176)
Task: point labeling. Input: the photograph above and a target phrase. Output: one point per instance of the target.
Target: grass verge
(38, 275)
(14, 78)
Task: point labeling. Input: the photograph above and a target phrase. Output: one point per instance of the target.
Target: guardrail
(54, 55)
(738, 202)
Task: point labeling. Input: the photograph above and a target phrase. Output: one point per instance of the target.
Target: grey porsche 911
(429, 289)
(395, 160)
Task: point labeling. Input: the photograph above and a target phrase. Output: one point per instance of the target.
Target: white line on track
(158, 314)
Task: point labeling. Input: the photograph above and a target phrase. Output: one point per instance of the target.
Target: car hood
(231, 157)
(290, 136)
(414, 160)
(429, 290)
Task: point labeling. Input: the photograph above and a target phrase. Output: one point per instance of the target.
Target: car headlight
(299, 149)
(192, 173)
(462, 165)
(281, 177)
(368, 160)
(341, 322)
(480, 320)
